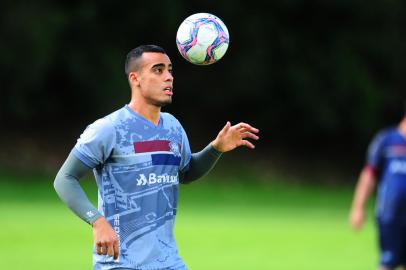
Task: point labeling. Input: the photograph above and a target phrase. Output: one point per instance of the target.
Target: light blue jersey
(136, 166)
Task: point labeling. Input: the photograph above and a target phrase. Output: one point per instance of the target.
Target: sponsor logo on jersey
(154, 178)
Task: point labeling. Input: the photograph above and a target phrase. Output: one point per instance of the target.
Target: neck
(149, 112)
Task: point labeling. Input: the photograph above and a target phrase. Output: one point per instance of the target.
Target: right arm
(67, 186)
(71, 193)
(367, 180)
(365, 186)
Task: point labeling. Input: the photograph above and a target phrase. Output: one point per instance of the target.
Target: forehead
(150, 59)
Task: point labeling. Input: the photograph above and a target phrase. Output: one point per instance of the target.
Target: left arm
(229, 138)
(200, 164)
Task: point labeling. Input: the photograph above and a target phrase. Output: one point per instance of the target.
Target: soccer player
(385, 167)
(139, 155)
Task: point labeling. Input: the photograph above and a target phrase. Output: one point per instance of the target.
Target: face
(154, 79)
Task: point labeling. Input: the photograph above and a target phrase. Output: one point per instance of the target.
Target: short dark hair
(135, 54)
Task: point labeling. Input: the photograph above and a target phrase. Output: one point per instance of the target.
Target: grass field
(226, 224)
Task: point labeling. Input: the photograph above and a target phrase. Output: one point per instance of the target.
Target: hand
(231, 137)
(357, 218)
(105, 238)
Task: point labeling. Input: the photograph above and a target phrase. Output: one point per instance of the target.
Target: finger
(99, 248)
(104, 249)
(110, 249)
(244, 128)
(227, 126)
(247, 144)
(116, 251)
(250, 135)
(242, 124)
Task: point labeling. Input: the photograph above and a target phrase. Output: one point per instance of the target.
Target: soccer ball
(202, 39)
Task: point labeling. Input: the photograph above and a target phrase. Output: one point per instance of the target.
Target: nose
(168, 76)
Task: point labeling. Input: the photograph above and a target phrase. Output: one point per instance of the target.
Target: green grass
(241, 224)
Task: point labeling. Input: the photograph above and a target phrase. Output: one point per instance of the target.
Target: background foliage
(310, 74)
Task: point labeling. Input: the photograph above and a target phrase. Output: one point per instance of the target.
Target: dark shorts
(392, 242)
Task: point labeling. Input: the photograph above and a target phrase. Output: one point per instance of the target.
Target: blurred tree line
(313, 75)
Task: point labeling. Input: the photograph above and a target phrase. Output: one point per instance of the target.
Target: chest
(395, 158)
(143, 145)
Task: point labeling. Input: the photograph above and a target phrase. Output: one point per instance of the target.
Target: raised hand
(231, 137)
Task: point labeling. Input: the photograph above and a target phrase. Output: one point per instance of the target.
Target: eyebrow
(160, 65)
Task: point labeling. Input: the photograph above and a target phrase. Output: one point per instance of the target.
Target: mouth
(168, 90)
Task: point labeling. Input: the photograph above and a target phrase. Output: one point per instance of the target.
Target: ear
(134, 78)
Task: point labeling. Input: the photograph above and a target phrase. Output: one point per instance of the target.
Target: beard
(162, 103)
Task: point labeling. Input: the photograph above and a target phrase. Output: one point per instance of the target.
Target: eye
(157, 70)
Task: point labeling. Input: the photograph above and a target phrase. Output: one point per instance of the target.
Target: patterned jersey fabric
(136, 165)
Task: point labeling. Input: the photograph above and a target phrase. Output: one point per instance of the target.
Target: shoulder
(384, 134)
(381, 140)
(117, 116)
(110, 121)
(102, 128)
(102, 125)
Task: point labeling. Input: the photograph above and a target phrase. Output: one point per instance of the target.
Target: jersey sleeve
(185, 153)
(375, 151)
(96, 143)
(67, 186)
(200, 164)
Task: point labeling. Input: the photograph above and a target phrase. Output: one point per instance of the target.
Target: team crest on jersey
(174, 148)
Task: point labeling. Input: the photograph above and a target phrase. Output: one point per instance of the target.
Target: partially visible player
(386, 169)
(139, 155)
